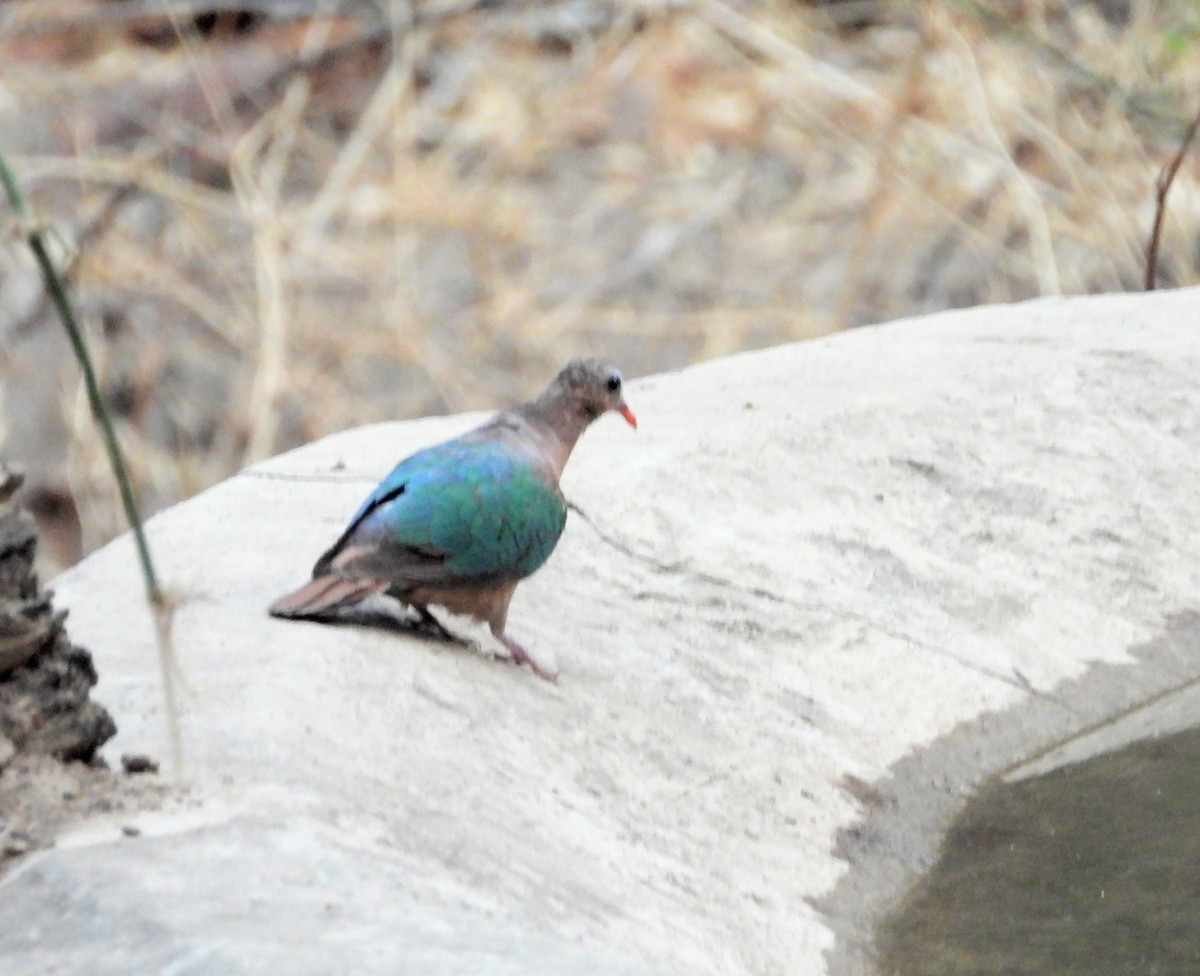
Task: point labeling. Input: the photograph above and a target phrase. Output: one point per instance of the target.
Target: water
(1092, 869)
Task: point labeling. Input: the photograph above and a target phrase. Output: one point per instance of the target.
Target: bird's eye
(613, 384)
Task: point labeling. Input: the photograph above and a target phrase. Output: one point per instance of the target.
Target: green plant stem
(58, 295)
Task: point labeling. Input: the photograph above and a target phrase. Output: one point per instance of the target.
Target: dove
(458, 525)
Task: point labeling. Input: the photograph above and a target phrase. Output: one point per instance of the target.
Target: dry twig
(1161, 189)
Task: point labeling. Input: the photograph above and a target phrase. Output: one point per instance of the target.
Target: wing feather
(465, 513)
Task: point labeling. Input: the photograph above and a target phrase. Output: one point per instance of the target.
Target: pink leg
(521, 656)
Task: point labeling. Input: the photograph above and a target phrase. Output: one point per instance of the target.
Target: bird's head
(597, 387)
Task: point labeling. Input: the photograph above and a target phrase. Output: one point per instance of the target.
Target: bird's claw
(521, 656)
(551, 676)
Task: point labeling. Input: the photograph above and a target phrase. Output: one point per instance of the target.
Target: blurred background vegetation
(282, 218)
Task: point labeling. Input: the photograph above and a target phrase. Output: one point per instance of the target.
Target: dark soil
(45, 680)
(50, 729)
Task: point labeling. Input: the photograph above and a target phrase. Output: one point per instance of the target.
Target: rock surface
(841, 582)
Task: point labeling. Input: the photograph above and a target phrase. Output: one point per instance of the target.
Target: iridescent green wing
(458, 514)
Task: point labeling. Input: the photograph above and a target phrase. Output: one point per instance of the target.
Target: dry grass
(436, 224)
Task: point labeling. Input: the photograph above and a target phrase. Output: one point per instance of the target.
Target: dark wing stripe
(322, 566)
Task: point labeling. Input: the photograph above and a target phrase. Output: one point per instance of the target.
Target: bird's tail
(324, 595)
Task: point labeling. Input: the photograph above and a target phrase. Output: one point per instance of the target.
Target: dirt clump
(45, 680)
(50, 729)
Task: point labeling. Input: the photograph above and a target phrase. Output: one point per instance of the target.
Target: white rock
(844, 553)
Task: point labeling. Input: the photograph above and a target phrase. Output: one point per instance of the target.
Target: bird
(458, 525)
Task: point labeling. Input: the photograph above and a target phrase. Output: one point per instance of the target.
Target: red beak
(625, 412)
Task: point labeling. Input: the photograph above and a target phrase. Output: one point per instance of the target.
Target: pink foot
(521, 656)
